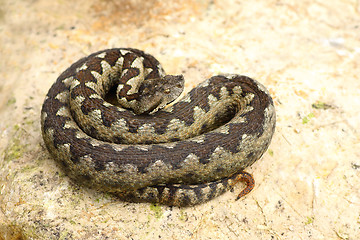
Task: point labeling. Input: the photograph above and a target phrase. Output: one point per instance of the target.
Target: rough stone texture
(307, 53)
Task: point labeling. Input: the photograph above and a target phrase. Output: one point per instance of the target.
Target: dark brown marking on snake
(95, 65)
(129, 58)
(112, 57)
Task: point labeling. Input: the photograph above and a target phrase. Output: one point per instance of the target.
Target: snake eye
(167, 91)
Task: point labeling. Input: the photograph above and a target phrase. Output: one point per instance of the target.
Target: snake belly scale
(184, 154)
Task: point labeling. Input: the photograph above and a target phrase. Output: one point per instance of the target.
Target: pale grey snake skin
(184, 154)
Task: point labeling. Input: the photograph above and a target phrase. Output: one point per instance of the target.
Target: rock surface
(307, 53)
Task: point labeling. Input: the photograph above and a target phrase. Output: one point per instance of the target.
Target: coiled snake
(184, 154)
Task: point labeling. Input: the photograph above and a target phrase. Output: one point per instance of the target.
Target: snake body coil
(182, 155)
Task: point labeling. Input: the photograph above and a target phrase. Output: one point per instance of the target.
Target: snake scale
(184, 154)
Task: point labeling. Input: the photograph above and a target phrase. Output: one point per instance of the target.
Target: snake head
(155, 94)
